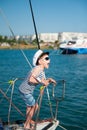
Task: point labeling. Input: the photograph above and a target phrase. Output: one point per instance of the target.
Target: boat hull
(74, 50)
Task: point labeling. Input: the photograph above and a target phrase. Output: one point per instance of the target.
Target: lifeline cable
(50, 103)
(11, 103)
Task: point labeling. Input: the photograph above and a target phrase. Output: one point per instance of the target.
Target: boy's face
(45, 61)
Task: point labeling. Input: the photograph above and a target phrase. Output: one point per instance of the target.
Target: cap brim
(44, 53)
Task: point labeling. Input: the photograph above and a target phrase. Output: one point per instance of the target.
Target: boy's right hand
(45, 82)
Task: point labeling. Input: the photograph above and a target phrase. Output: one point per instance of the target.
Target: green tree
(1, 39)
(34, 41)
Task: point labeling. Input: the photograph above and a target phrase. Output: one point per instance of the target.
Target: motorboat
(74, 47)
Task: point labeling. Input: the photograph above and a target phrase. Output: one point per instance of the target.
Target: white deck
(45, 125)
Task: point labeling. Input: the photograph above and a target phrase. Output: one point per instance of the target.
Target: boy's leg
(30, 112)
(27, 124)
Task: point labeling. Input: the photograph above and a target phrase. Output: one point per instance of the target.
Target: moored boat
(74, 47)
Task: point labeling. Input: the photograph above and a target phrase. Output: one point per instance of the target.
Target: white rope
(49, 102)
(11, 100)
(62, 127)
(26, 58)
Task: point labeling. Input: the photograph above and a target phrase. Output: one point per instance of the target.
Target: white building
(46, 37)
(52, 37)
(4, 44)
(63, 36)
(69, 36)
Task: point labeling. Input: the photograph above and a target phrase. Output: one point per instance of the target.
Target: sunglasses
(47, 58)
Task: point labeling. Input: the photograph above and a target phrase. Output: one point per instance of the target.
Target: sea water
(72, 111)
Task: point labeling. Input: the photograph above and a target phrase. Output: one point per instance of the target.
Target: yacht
(74, 47)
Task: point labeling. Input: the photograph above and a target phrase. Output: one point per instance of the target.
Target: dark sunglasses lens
(47, 58)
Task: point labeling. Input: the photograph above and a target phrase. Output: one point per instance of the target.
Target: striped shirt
(26, 87)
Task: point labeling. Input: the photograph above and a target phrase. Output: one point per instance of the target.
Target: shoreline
(24, 47)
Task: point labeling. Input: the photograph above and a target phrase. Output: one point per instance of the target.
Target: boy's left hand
(52, 81)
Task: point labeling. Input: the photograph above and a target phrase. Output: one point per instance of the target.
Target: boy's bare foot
(26, 127)
(32, 122)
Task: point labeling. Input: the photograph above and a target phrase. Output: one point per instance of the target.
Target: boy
(36, 76)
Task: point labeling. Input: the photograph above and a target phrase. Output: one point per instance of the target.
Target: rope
(62, 127)
(26, 58)
(11, 99)
(63, 91)
(58, 99)
(49, 103)
(38, 110)
(56, 109)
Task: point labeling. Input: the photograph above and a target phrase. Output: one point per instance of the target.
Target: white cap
(37, 55)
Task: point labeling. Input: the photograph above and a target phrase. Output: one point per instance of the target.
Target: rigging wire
(7, 23)
(5, 19)
(26, 58)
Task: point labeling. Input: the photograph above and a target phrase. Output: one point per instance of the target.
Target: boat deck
(42, 125)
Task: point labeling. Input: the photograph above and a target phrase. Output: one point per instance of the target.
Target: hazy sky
(51, 16)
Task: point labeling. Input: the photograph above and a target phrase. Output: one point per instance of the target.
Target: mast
(34, 24)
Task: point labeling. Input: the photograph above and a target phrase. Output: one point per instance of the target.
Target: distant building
(52, 37)
(4, 44)
(48, 37)
(61, 37)
(69, 36)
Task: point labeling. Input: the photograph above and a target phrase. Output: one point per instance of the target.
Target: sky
(51, 16)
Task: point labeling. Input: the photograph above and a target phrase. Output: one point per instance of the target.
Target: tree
(34, 41)
(1, 39)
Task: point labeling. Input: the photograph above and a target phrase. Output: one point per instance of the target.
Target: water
(72, 112)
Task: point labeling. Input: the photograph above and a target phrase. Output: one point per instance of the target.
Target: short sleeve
(41, 76)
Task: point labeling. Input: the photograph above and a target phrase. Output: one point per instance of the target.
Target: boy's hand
(52, 81)
(45, 82)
